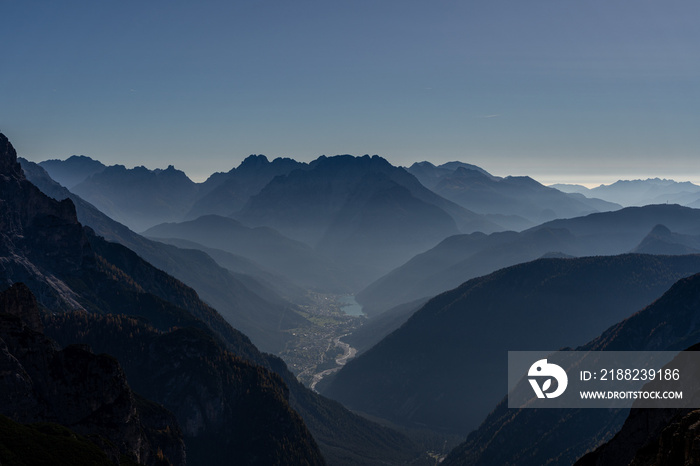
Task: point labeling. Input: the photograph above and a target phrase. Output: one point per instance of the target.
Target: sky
(564, 91)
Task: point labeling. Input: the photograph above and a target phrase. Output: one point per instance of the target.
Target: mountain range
(226, 193)
(360, 214)
(73, 170)
(641, 192)
(141, 198)
(447, 290)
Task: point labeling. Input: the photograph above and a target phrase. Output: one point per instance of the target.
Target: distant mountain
(75, 388)
(294, 260)
(73, 170)
(561, 436)
(459, 258)
(226, 193)
(138, 197)
(649, 191)
(246, 303)
(360, 210)
(430, 175)
(571, 188)
(520, 196)
(424, 372)
(68, 267)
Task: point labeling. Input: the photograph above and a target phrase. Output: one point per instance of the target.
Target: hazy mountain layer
(359, 209)
(520, 196)
(242, 300)
(642, 192)
(459, 258)
(253, 275)
(294, 260)
(138, 197)
(73, 170)
(661, 240)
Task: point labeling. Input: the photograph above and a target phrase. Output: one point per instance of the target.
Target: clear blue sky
(561, 90)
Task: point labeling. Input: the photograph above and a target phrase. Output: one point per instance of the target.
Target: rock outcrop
(74, 387)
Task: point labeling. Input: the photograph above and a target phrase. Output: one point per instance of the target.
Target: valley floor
(317, 350)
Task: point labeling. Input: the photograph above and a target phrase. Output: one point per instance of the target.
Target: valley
(316, 350)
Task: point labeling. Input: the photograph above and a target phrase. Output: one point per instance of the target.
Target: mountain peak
(347, 161)
(254, 161)
(660, 230)
(9, 166)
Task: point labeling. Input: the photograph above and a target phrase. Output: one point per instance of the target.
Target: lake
(350, 306)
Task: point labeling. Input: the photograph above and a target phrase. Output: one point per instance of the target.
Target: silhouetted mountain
(71, 266)
(77, 389)
(294, 260)
(417, 375)
(139, 198)
(560, 436)
(225, 193)
(359, 209)
(73, 170)
(243, 301)
(459, 258)
(662, 241)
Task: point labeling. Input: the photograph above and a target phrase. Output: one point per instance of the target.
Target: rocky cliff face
(231, 411)
(74, 387)
(35, 229)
